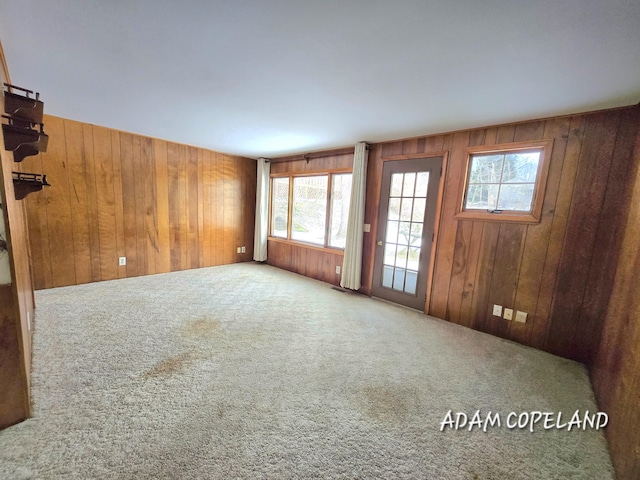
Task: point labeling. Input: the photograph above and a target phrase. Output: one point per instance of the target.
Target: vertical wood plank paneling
(36, 220)
(149, 215)
(537, 237)
(201, 214)
(90, 176)
(608, 239)
(121, 249)
(230, 211)
(504, 280)
(105, 199)
(58, 201)
(207, 207)
(158, 203)
(173, 168)
(218, 228)
(540, 321)
(577, 253)
(615, 370)
(473, 264)
(458, 270)
(448, 226)
(183, 201)
(484, 275)
(79, 200)
(129, 203)
(139, 208)
(163, 252)
(193, 206)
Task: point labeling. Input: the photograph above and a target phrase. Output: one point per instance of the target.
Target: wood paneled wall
(16, 300)
(616, 371)
(305, 260)
(164, 206)
(560, 271)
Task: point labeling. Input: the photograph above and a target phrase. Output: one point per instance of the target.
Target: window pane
(521, 167)
(279, 206)
(486, 168)
(398, 279)
(411, 282)
(482, 197)
(387, 276)
(396, 185)
(340, 198)
(409, 183)
(392, 232)
(401, 256)
(517, 197)
(405, 212)
(418, 210)
(389, 254)
(414, 258)
(416, 234)
(394, 209)
(422, 183)
(403, 233)
(309, 209)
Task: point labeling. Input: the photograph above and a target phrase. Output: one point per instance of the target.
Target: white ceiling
(273, 77)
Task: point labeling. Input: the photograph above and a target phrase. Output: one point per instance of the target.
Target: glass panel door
(405, 229)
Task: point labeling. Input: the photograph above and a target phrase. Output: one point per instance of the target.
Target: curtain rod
(314, 155)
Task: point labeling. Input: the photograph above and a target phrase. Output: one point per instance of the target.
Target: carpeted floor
(247, 371)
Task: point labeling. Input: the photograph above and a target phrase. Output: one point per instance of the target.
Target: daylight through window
(319, 209)
(505, 182)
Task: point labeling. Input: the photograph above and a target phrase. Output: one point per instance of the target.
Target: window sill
(310, 246)
(504, 216)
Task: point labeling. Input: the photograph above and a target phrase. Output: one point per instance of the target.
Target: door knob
(379, 243)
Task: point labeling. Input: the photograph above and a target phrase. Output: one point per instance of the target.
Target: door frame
(436, 225)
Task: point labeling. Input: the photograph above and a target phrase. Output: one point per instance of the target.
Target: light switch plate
(508, 313)
(367, 228)
(497, 310)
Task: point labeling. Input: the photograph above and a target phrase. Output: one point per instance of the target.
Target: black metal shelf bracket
(26, 183)
(23, 106)
(22, 140)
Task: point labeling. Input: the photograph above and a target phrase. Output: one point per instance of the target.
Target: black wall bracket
(26, 183)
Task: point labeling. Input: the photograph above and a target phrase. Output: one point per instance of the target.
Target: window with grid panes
(319, 209)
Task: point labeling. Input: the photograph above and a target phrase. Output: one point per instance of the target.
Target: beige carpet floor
(247, 371)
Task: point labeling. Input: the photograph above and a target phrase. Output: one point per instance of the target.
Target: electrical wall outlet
(366, 228)
(122, 261)
(521, 317)
(508, 314)
(497, 310)
(239, 250)
(244, 250)
(337, 269)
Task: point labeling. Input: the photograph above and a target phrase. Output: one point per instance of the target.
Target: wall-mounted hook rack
(23, 106)
(22, 140)
(26, 183)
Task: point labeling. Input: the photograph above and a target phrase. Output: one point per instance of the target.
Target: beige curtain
(352, 264)
(262, 211)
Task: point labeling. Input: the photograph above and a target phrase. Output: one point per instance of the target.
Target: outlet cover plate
(497, 310)
(122, 261)
(508, 313)
(521, 317)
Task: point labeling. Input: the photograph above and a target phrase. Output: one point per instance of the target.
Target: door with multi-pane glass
(406, 221)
